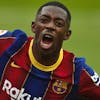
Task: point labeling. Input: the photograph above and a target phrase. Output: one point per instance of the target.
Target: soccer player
(39, 69)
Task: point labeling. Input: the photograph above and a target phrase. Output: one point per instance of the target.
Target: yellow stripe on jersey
(43, 67)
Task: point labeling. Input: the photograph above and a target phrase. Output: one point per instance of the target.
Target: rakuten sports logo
(96, 79)
(16, 93)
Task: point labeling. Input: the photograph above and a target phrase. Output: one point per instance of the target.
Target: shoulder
(87, 71)
(14, 41)
(5, 33)
(17, 37)
(80, 63)
(15, 33)
(68, 55)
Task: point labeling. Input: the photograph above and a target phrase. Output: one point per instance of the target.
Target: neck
(46, 59)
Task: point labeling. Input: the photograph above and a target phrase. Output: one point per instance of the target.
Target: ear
(33, 27)
(67, 35)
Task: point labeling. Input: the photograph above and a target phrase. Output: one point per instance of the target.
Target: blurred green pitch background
(85, 25)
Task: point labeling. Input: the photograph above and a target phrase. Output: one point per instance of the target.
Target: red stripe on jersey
(62, 79)
(15, 73)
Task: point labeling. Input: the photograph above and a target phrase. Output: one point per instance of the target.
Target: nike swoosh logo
(14, 65)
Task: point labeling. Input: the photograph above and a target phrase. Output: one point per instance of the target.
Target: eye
(59, 23)
(44, 19)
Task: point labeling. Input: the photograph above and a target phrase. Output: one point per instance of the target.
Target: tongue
(45, 44)
(47, 38)
(47, 41)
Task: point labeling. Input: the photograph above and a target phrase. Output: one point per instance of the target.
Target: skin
(51, 21)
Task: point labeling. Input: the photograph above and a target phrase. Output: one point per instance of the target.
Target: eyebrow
(45, 15)
(49, 17)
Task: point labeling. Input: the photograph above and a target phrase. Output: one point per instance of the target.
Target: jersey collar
(39, 65)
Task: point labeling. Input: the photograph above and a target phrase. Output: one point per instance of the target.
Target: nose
(50, 26)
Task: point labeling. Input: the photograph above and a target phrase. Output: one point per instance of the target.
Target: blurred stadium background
(85, 25)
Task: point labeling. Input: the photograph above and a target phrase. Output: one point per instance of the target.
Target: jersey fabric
(15, 33)
(22, 77)
(5, 33)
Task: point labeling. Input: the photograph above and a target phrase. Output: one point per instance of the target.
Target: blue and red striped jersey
(22, 77)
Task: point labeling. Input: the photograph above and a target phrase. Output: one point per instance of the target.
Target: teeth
(48, 36)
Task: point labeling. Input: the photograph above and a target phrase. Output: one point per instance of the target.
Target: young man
(39, 69)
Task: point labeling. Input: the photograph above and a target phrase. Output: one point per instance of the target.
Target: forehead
(54, 11)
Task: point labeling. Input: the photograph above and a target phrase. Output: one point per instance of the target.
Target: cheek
(38, 29)
(61, 34)
(61, 30)
(59, 38)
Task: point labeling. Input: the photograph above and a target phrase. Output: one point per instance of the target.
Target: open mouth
(47, 38)
(47, 41)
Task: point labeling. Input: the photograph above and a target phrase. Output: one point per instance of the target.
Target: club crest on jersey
(59, 87)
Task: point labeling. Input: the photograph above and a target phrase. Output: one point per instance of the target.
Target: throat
(48, 60)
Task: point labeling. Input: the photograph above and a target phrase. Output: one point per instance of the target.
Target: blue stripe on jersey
(7, 34)
(37, 82)
(79, 63)
(19, 41)
(15, 33)
(88, 69)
